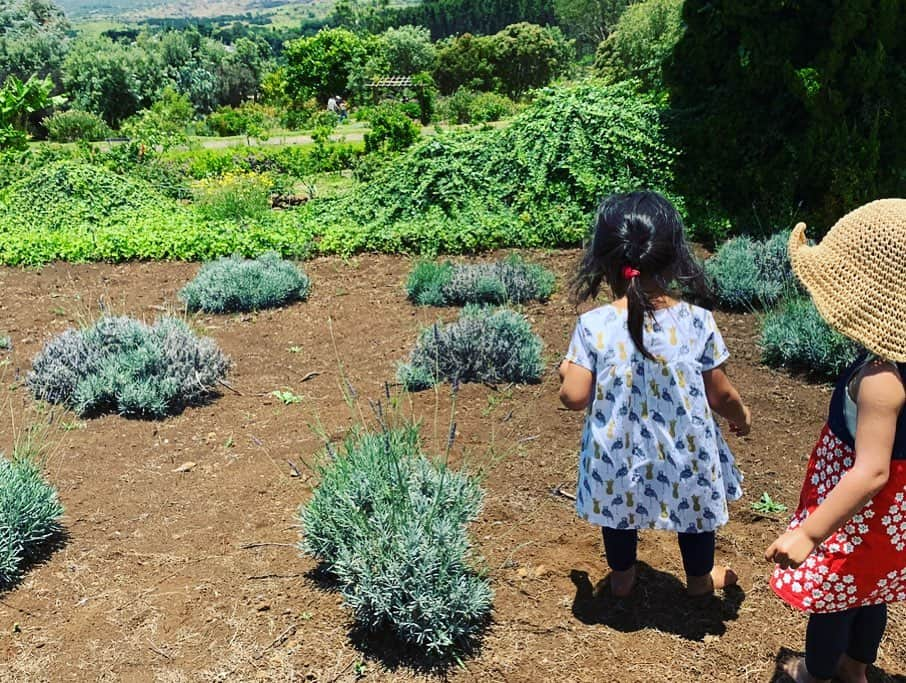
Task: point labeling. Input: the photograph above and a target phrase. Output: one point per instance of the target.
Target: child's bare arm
(576, 387)
(881, 398)
(726, 402)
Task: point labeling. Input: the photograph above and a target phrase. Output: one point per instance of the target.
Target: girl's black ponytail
(638, 305)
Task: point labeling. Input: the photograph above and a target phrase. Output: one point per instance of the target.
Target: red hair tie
(629, 272)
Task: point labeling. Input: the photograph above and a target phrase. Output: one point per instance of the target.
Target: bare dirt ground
(192, 576)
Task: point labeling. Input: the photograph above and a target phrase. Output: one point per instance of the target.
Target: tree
(33, 38)
(589, 21)
(520, 57)
(319, 66)
(163, 125)
(358, 15)
(529, 56)
(790, 108)
(408, 50)
(110, 79)
(641, 42)
(454, 17)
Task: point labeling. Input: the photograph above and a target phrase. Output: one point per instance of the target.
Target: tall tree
(33, 38)
(454, 17)
(589, 21)
(790, 108)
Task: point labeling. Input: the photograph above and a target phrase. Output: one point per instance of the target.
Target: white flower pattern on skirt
(863, 562)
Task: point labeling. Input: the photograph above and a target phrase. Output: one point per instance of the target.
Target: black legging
(856, 632)
(621, 546)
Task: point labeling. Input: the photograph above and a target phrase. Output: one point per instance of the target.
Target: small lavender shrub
(29, 514)
(747, 274)
(490, 346)
(796, 337)
(123, 365)
(391, 527)
(511, 280)
(237, 284)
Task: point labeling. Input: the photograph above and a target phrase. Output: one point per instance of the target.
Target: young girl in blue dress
(647, 369)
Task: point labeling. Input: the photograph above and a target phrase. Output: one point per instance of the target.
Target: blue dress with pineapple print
(652, 456)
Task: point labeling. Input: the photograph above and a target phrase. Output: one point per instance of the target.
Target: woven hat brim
(822, 274)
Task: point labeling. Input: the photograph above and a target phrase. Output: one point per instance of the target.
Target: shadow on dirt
(785, 655)
(383, 646)
(38, 555)
(659, 602)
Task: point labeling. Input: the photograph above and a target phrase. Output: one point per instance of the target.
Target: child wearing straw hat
(842, 559)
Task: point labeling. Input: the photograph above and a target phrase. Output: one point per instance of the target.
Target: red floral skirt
(864, 562)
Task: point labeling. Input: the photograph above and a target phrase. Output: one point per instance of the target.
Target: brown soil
(156, 582)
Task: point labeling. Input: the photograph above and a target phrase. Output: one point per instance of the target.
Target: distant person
(333, 106)
(844, 556)
(647, 369)
(342, 109)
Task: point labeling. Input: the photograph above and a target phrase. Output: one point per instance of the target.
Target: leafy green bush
(391, 130)
(391, 527)
(6, 342)
(234, 196)
(75, 125)
(466, 106)
(29, 513)
(512, 280)
(235, 284)
(795, 336)
(746, 273)
(642, 40)
(482, 346)
(123, 365)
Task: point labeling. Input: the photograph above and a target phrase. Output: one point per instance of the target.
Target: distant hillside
(134, 10)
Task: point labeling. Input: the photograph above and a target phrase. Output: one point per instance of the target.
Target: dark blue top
(837, 418)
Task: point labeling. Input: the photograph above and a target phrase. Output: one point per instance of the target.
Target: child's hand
(743, 428)
(791, 549)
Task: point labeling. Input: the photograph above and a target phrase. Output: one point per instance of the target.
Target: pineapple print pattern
(652, 455)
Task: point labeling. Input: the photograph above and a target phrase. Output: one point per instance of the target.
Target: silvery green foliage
(29, 514)
(511, 280)
(237, 284)
(748, 273)
(484, 345)
(6, 343)
(795, 336)
(123, 365)
(391, 527)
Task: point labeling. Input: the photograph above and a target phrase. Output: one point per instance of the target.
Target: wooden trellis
(394, 83)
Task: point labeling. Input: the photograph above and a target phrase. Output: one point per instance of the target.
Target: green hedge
(235, 284)
(747, 273)
(511, 280)
(390, 525)
(123, 365)
(490, 346)
(30, 514)
(796, 337)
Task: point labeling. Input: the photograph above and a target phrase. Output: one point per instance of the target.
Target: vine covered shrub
(796, 337)
(124, 365)
(237, 284)
(75, 125)
(482, 346)
(511, 280)
(29, 513)
(748, 273)
(390, 525)
(392, 130)
(535, 183)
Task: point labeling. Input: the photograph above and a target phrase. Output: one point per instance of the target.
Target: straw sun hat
(857, 275)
